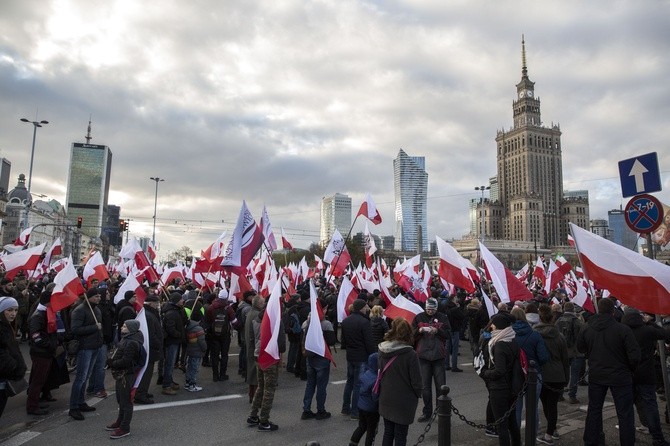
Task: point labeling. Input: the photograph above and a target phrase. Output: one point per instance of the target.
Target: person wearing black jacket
(86, 326)
(42, 350)
(302, 309)
(613, 353)
(155, 353)
(647, 335)
(457, 321)
(12, 365)
(124, 364)
(174, 334)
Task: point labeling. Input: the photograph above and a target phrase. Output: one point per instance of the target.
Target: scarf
(504, 335)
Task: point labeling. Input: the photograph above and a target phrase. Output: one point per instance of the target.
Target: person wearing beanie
(86, 326)
(220, 320)
(124, 363)
(357, 340)
(569, 324)
(431, 331)
(43, 344)
(12, 365)
(174, 321)
(501, 364)
(155, 353)
(125, 309)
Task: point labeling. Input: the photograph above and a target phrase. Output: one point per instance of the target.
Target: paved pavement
(216, 416)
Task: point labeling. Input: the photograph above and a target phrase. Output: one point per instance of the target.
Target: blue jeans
(623, 402)
(318, 373)
(168, 364)
(97, 382)
(576, 365)
(192, 367)
(352, 387)
(85, 360)
(455, 339)
(647, 409)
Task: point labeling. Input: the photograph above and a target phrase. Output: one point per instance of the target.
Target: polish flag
(509, 288)
(369, 246)
(453, 267)
(522, 274)
(571, 241)
(245, 242)
(24, 237)
(337, 255)
(151, 251)
(319, 263)
(491, 309)
(169, 274)
(55, 250)
(270, 330)
(314, 341)
(58, 265)
(95, 268)
(284, 241)
(369, 210)
(346, 297)
(554, 276)
(239, 284)
(402, 307)
(270, 241)
(144, 328)
(634, 279)
(538, 271)
(130, 248)
(26, 260)
(214, 252)
(68, 287)
(563, 265)
(131, 284)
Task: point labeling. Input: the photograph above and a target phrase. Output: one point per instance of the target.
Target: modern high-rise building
(335, 214)
(530, 205)
(5, 172)
(620, 233)
(88, 186)
(410, 184)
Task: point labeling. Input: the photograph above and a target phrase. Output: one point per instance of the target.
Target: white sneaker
(642, 430)
(194, 388)
(545, 439)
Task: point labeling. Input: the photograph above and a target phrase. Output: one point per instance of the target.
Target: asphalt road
(217, 415)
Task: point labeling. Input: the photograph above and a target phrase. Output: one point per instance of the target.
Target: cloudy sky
(284, 102)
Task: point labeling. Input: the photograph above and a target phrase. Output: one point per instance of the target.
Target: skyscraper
(88, 186)
(335, 214)
(410, 184)
(620, 233)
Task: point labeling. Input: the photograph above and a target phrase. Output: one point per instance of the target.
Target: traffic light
(122, 225)
(125, 225)
(79, 220)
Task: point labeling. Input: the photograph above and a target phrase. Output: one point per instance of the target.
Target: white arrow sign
(638, 170)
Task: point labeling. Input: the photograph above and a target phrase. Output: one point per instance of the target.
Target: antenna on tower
(524, 70)
(88, 131)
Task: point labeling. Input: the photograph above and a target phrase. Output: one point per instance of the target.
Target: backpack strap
(380, 373)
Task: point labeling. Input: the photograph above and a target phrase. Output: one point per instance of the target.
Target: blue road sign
(644, 214)
(640, 175)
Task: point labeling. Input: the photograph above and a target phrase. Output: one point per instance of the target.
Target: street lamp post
(157, 180)
(32, 152)
(482, 226)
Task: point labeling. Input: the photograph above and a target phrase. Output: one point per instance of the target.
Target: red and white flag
(270, 241)
(369, 210)
(453, 267)
(554, 277)
(144, 328)
(58, 265)
(563, 264)
(402, 307)
(491, 309)
(26, 260)
(571, 241)
(369, 246)
(522, 274)
(337, 255)
(68, 287)
(55, 250)
(245, 242)
(270, 330)
(634, 279)
(131, 284)
(539, 272)
(314, 341)
(346, 297)
(24, 237)
(95, 268)
(214, 252)
(239, 284)
(508, 287)
(284, 241)
(318, 263)
(151, 251)
(169, 274)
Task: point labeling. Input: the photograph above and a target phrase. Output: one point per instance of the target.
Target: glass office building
(335, 214)
(88, 186)
(411, 202)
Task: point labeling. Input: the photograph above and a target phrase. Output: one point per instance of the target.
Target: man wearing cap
(155, 353)
(86, 326)
(220, 318)
(357, 340)
(431, 330)
(174, 320)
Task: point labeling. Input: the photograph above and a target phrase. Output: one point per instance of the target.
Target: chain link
(426, 429)
(496, 422)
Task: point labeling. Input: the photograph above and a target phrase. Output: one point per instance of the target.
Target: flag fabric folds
(26, 260)
(245, 242)
(270, 330)
(346, 297)
(270, 241)
(95, 268)
(453, 267)
(337, 255)
(314, 340)
(632, 278)
(68, 287)
(508, 287)
(284, 241)
(369, 210)
(402, 307)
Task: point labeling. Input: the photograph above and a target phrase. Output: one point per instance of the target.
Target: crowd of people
(392, 365)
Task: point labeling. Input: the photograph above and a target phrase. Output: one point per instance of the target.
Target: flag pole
(337, 259)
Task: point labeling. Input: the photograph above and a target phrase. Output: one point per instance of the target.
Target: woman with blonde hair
(378, 324)
(400, 383)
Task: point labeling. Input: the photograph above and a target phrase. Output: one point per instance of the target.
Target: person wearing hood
(536, 350)
(173, 327)
(501, 352)
(368, 404)
(43, 344)
(647, 334)
(555, 372)
(613, 353)
(400, 385)
(12, 365)
(124, 364)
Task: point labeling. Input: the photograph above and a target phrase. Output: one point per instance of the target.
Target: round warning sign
(644, 213)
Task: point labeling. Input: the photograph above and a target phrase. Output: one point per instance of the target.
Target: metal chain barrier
(496, 422)
(426, 429)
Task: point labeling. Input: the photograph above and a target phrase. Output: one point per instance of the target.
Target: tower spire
(524, 69)
(88, 131)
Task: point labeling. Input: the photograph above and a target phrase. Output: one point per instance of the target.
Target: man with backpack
(220, 318)
(569, 324)
(293, 332)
